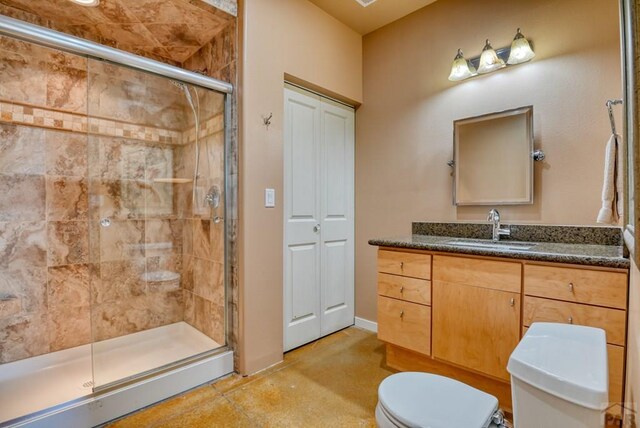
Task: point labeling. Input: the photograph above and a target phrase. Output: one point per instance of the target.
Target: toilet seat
(413, 399)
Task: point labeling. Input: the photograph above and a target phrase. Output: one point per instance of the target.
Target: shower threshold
(63, 381)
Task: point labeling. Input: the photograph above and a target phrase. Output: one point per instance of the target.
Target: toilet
(559, 378)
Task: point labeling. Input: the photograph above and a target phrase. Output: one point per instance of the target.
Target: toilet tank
(559, 377)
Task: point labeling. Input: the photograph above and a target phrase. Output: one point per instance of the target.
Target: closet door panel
(337, 212)
(302, 269)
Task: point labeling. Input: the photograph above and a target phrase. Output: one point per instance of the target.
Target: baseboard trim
(366, 324)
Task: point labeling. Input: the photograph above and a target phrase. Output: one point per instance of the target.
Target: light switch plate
(269, 198)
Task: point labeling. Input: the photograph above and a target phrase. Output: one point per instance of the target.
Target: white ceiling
(367, 19)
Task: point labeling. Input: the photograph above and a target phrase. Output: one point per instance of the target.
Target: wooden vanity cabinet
(462, 316)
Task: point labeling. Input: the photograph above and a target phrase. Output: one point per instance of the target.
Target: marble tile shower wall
(203, 239)
(67, 160)
(218, 59)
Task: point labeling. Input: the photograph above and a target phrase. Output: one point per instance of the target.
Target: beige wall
(296, 38)
(404, 128)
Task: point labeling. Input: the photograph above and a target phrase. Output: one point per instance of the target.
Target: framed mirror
(493, 158)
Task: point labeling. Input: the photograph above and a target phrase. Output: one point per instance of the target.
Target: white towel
(612, 186)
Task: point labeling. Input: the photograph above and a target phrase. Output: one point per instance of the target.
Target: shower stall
(113, 265)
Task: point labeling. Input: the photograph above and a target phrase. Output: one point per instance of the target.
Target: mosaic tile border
(64, 121)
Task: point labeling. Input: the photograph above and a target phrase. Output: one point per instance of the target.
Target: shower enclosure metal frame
(53, 39)
(57, 40)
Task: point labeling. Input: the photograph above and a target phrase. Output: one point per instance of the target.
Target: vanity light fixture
(520, 50)
(491, 59)
(461, 68)
(90, 3)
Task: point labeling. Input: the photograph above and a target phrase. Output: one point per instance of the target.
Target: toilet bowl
(559, 378)
(413, 399)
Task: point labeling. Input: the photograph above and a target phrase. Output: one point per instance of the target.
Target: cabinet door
(475, 327)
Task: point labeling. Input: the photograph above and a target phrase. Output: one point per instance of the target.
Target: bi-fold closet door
(319, 217)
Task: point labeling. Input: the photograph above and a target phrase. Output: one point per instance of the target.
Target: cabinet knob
(402, 314)
(570, 319)
(402, 288)
(571, 287)
(512, 302)
(401, 265)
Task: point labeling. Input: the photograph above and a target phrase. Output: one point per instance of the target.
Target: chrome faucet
(494, 217)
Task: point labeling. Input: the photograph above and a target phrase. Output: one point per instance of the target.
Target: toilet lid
(431, 401)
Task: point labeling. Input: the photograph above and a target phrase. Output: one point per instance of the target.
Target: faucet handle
(494, 215)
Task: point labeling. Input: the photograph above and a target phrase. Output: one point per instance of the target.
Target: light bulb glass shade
(87, 2)
(520, 50)
(489, 60)
(461, 68)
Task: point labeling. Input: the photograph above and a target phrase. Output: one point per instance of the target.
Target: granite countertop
(576, 253)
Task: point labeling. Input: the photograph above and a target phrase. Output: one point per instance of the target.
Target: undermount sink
(491, 245)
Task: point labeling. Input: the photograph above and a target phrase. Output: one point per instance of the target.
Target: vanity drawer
(612, 321)
(405, 288)
(404, 324)
(415, 265)
(493, 274)
(593, 287)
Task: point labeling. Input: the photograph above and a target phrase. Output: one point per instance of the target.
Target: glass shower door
(156, 204)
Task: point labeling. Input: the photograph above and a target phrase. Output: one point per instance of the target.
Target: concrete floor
(330, 382)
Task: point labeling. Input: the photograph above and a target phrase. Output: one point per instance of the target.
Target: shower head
(187, 93)
(178, 84)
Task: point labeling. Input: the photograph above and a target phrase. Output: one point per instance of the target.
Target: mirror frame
(528, 112)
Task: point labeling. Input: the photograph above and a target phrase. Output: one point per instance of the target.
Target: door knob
(316, 228)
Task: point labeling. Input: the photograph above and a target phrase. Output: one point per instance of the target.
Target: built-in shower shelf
(161, 280)
(149, 246)
(173, 180)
